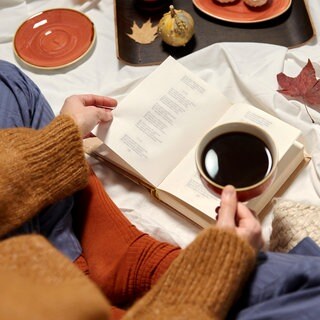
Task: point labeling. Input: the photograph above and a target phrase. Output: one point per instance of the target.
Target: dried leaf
(305, 87)
(144, 34)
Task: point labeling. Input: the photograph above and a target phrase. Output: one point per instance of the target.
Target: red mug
(245, 156)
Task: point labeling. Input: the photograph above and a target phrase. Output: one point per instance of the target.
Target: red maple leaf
(305, 87)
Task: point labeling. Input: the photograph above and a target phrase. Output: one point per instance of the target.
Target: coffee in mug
(240, 154)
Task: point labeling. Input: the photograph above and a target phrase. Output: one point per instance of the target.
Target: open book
(156, 128)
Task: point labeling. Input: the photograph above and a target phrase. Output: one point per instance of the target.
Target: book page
(198, 203)
(161, 119)
(184, 181)
(283, 134)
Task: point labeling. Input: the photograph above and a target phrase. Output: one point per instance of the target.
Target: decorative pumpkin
(176, 27)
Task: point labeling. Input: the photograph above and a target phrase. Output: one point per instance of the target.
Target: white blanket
(242, 71)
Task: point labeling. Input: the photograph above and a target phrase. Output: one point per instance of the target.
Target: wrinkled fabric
(284, 286)
(23, 105)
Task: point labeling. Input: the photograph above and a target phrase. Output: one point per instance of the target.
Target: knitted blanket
(292, 222)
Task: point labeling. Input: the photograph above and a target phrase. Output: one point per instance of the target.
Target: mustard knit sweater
(37, 282)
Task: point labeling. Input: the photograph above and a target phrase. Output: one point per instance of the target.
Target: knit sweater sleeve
(38, 168)
(202, 283)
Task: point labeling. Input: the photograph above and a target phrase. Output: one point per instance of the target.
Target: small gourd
(176, 27)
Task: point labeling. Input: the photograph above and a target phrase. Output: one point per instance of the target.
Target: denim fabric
(284, 286)
(23, 105)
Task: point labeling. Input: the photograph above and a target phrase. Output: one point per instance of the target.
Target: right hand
(238, 217)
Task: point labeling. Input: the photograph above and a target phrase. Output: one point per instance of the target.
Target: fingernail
(227, 192)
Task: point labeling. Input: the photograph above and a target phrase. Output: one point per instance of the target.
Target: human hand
(235, 215)
(88, 110)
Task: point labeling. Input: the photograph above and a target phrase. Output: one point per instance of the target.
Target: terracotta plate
(54, 38)
(239, 12)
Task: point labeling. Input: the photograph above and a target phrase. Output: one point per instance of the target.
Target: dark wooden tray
(291, 29)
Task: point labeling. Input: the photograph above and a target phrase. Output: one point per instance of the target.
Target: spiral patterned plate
(54, 38)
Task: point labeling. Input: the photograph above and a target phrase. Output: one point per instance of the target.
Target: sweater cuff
(57, 155)
(38, 168)
(206, 277)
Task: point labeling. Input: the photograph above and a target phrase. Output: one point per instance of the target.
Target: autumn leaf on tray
(144, 34)
(305, 87)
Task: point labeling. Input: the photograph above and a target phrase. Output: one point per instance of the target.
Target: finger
(99, 114)
(228, 207)
(243, 212)
(251, 225)
(98, 101)
(104, 115)
(245, 217)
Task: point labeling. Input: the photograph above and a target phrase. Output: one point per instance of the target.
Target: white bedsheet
(243, 71)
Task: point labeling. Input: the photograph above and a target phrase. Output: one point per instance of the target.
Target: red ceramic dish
(54, 38)
(241, 13)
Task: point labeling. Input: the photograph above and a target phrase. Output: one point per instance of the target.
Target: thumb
(104, 115)
(228, 207)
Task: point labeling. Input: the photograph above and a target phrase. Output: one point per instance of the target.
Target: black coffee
(236, 158)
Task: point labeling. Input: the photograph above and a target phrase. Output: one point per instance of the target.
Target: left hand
(88, 110)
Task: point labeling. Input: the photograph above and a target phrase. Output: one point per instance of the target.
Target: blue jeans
(23, 105)
(283, 286)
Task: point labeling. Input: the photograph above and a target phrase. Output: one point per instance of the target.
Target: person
(43, 164)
